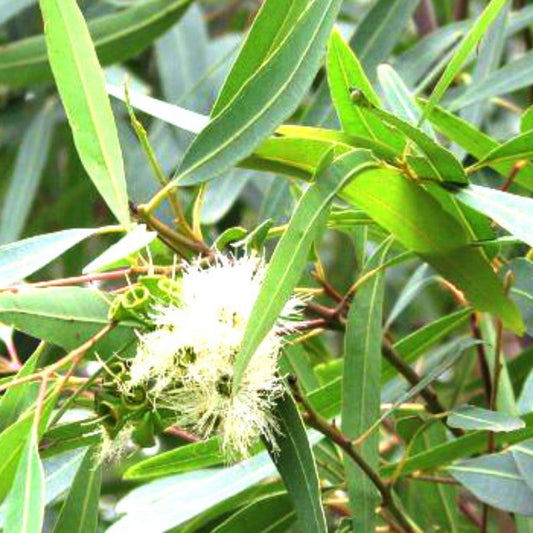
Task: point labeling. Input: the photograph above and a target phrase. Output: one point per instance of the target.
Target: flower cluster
(186, 363)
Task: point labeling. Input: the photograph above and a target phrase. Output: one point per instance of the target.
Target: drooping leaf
(473, 417)
(17, 399)
(271, 25)
(361, 387)
(81, 85)
(272, 514)
(296, 464)
(79, 513)
(153, 505)
(25, 504)
(290, 257)
(265, 100)
(418, 221)
(522, 289)
(477, 143)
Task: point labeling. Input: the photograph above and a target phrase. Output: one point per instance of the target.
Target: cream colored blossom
(187, 361)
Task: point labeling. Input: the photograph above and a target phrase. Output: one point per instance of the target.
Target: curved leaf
(81, 85)
(266, 99)
(290, 257)
(294, 460)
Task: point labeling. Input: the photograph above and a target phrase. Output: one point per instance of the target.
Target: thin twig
(430, 397)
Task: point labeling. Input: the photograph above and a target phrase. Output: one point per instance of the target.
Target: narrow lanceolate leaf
(522, 289)
(496, 480)
(81, 85)
(399, 98)
(172, 114)
(513, 213)
(133, 241)
(117, 36)
(290, 257)
(467, 47)
(266, 99)
(15, 400)
(270, 27)
(477, 143)
(418, 221)
(64, 316)
(79, 513)
(472, 444)
(29, 166)
(296, 465)
(345, 75)
(270, 514)
(473, 417)
(513, 150)
(22, 258)
(361, 390)
(25, 504)
(441, 163)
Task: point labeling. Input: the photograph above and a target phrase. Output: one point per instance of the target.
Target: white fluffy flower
(187, 361)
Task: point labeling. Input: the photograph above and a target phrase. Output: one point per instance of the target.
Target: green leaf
(152, 506)
(518, 147)
(514, 75)
(512, 212)
(463, 51)
(270, 514)
(526, 120)
(294, 460)
(418, 221)
(496, 481)
(476, 143)
(116, 37)
(132, 242)
(80, 510)
(81, 85)
(345, 74)
(523, 456)
(65, 316)
(399, 98)
(290, 257)
(473, 417)
(271, 25)
(25, 504)
(22, 258)
(172, 114)
(15, 400)
(193, 456)
(445, 453)
(31, 158)
(361, 398)
(442, 164)
(266, 99)
(522, 289)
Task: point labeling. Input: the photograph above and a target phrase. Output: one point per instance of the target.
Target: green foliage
(375, 156)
